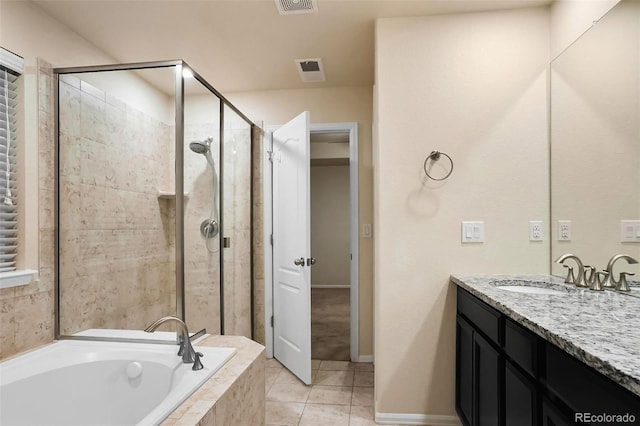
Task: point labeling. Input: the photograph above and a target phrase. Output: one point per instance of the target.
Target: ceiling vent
(294, 7)
(310, 70)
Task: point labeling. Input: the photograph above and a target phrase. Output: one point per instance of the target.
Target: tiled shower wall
(116, 235)
(258, 237)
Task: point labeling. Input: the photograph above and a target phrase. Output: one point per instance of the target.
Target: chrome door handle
(299, 262)
(311, 261)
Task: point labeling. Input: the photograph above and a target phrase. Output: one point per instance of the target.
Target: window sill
(17, 278)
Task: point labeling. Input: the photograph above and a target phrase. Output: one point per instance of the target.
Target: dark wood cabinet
(478, 384)
(520, 398)
(552, 416)
(464, 371)
(487, 365)
(506, 375)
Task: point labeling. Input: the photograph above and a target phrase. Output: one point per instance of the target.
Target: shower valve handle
(299, 262)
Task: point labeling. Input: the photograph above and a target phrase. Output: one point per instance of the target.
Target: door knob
(311, 261)
(299, 262)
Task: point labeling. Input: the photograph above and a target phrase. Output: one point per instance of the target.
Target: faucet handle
(598, 280)
(197, 364)
(590, 274)
(186, 350)
(571, 278)
(623, 285)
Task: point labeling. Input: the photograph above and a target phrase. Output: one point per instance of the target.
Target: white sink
(530, 289)
(533, 287)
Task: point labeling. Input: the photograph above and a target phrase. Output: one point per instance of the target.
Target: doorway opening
(344, 137)
(330, 242)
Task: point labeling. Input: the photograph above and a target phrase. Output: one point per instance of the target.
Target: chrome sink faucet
(579, 279)
(610, 281)
(189, 355)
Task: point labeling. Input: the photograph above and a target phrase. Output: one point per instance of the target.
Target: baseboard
(417, 419)
(330, 286)
(365, 358)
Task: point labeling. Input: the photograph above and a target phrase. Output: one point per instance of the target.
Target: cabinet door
(464, 371)
(488, 367)
(519, 398)
(551, 416)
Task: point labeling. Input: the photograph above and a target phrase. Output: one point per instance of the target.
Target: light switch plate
(366, 230)
(630, 231)
(473, 232)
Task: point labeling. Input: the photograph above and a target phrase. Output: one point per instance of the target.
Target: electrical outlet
(535, 230)
(473, 232)
(564, 230)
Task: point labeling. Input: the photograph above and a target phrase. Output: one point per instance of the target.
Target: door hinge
(271, 320)
(271, 239)
(270, 154)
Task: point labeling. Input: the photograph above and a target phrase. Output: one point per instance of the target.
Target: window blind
(8, 162)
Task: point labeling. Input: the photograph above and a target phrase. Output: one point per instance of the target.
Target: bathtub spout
(186, 349)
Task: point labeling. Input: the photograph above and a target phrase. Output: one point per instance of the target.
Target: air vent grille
(291, 7)
(310, 70)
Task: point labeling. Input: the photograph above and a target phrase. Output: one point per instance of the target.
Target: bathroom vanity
(565, 358)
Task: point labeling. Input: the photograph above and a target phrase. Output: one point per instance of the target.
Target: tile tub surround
(234, 395)
(598, 328)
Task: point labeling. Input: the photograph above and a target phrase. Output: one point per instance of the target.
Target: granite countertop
(600, 328)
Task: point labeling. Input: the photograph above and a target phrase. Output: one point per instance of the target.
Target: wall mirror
(595, 142)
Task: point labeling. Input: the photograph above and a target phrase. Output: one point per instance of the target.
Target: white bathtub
(85, 383)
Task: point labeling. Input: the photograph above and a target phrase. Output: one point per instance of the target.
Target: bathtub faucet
(189, 355)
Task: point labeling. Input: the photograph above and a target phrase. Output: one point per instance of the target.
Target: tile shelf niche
(169, 195)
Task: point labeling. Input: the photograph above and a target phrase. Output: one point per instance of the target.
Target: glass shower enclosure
(153, 204)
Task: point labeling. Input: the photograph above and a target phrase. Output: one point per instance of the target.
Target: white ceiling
(245, 45)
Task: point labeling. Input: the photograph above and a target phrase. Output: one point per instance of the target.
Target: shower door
(237, 247)
(202, 216)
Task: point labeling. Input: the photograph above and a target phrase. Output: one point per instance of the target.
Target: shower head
(201, 147)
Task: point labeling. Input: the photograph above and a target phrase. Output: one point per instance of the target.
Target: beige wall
(339, 104)
(330, 237)
(571, 18)
(473, 86)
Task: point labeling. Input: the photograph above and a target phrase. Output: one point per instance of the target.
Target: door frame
(352, 129)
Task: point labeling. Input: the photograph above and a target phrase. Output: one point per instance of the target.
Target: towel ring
(435, 156)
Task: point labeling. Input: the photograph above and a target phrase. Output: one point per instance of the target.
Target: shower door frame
(179, 65)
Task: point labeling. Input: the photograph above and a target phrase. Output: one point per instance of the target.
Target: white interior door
(292, 247)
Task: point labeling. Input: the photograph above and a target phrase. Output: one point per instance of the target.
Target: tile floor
(341, 395)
